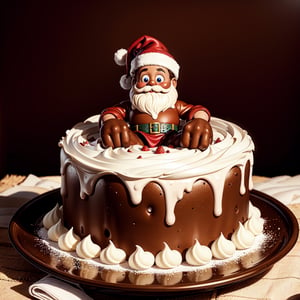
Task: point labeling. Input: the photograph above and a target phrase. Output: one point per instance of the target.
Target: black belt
(154, 127)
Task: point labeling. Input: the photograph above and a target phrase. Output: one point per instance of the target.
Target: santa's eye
(145, 79)
(160, 78)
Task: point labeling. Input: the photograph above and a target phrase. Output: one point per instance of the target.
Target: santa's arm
(201, 113)
(188, 111)
(115, 112)
(114, 130)
(197, 132)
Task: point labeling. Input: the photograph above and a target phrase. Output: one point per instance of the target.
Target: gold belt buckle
(154, 127)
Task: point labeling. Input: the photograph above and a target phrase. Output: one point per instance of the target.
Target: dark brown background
(238, 58)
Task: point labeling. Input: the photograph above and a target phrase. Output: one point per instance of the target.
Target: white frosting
(140, 259)
(242, 238)
(56, 230)
(255, 225)
(86, 248)
(222, 248)
(253, 211)
(68, 241)
(178, 168)
(52, 216)
(198, 255)
(167, 258)
(112, 255)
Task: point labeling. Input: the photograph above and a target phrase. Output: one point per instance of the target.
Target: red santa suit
(154, 131)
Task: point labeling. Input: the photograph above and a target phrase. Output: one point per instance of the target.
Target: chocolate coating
(108, 213)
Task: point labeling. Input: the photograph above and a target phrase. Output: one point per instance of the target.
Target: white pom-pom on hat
(120, 57)
(126, 82)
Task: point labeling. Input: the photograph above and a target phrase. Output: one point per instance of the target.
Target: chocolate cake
(147, 201)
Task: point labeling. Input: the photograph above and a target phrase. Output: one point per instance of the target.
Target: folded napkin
(50, 288)
(17, 190)
(32, 183)
(284, 188)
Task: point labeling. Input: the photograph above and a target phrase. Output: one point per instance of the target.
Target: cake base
(23, 234)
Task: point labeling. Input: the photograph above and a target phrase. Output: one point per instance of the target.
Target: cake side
(109, 214)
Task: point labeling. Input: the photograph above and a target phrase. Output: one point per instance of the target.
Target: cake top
(231, 143)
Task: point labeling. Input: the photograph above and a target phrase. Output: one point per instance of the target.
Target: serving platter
(280, 231)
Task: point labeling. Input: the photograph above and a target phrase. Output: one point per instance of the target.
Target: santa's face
(154, 75)
(153, 91)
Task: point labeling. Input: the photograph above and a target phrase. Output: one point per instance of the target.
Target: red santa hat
(144, 51)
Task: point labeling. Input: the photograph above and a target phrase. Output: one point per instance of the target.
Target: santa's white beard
(155, 102)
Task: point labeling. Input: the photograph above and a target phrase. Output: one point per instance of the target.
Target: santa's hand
(116, 133)
(196, 134)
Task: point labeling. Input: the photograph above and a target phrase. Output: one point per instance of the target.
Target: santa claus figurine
(153, 116)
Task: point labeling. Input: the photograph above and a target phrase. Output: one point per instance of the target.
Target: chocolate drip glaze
(108, 213)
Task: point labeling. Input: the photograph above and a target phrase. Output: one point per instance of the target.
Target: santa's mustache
(153, 103)
(150, 88)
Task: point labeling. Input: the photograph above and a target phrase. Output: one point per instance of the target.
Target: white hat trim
(154, 58)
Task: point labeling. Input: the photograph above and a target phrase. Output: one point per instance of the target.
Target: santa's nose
(152, 82)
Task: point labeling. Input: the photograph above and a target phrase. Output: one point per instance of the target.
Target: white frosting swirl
(52, 216)
(176, 167)
(68, 241)
(56, 230)
(253, 211)
(242, 238)
(112, 255)
(198, 255)
(140, 259)
(86, 248)
(167, 258)
(222, 248)
(255, 225)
